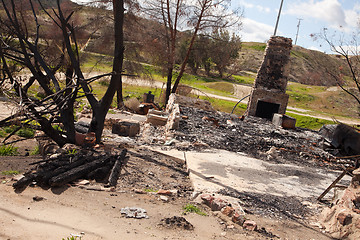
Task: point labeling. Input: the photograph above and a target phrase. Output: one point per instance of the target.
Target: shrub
(193, 209)
(104, 82)
(133, 104)
(11, 172)
(8, 150)
(26, 132)
(35, 151)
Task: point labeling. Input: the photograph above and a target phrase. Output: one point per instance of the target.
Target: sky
(259, 19)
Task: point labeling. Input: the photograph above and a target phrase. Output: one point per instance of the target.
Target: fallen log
(47, 175)
(24, 182)
(115, 171)
(77, 172)
(51, 168)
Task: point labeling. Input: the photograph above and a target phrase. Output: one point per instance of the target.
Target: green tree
(199, 56)
(224, 49)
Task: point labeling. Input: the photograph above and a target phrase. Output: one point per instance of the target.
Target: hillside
(306, 66)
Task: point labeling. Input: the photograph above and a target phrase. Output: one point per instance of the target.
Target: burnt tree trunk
(168, 84)
(102, 107)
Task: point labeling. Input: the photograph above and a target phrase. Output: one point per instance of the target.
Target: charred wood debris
(259, 138)
(61, 169)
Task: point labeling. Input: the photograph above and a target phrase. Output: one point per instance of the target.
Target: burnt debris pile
(256, 137)
(59, 170)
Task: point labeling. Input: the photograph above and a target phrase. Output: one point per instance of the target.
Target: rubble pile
(342, 220)
(176, 222)
(279, 207)
(256, 137)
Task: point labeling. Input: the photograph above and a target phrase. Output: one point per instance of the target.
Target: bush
(133, 104)
(11, 172)
(26, 132)
(35, 151)
(8, 150)
(104, 82)
(193, 209)
(23, 132)
(309, 122)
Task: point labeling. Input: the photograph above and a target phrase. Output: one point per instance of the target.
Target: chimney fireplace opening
(266, 109)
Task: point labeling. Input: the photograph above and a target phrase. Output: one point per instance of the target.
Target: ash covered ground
(260, 139)
(257, 137)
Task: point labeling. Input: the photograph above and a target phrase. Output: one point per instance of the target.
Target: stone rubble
(342, 219)
(134, 212)
(225, 207)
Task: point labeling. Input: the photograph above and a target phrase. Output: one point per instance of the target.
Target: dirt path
(95, 214)
(341, 119)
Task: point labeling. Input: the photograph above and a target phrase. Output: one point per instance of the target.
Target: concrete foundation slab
(215, 170)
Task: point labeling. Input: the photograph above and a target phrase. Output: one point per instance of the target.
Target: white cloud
(357, 7)
(352, 18)
(255, 32)
(263, 9)
(330, 11)
(246, 5)
(260, 8)
(349, 49)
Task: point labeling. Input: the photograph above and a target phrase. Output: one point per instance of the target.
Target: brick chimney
(269, 92)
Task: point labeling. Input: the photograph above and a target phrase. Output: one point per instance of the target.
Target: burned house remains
(269, 92)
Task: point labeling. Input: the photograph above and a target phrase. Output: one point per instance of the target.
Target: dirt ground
(92, 213)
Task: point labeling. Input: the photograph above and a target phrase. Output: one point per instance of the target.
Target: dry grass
(133, 104)
(221, 86)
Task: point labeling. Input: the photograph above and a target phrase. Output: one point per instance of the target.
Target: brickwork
(271, 80)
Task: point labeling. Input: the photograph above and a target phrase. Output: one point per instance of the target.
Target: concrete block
(126, 128)
(207, 199)
(228, 211)
(184, 101)
(217, 204)
(250, 225)
(238, 218)
(156, 120)
(282, 120)
(174, 118)
(344, 218)
(157, 112)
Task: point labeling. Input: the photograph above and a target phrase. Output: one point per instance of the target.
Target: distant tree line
(216, 51)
